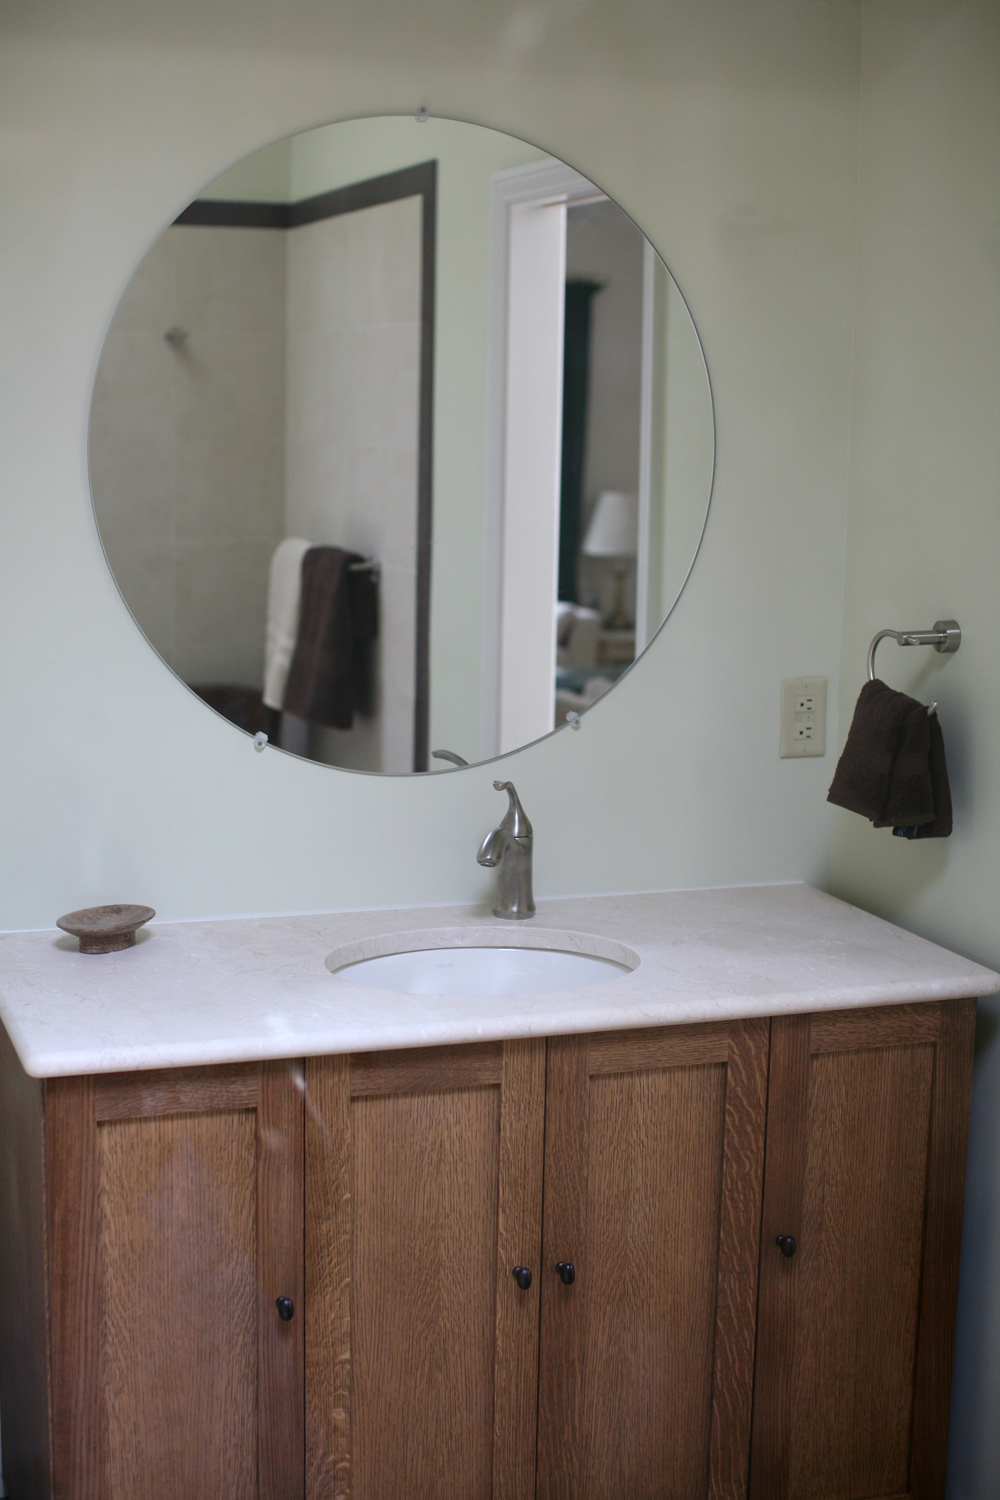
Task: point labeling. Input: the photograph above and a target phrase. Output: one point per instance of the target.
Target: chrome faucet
(509, 848)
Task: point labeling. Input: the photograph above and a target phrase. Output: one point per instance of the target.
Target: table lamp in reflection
(613, 531)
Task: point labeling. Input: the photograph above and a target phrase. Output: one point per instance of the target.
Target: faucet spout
(492, 847)
(508, 849)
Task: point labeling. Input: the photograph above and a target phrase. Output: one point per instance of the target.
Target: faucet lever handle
(515, 819)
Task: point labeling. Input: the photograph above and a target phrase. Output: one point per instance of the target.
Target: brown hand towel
(322, 681)
(911, 796)
(863, 776)
(892, 769)
(940, 828)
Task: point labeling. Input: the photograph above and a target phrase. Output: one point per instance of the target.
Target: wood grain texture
(519, 1243)
(74, 1298)
(166, 1233)
(423, 1069)
(174, 1203)
(170, 1091)
(859, 1260)
(280, 1273)
(889, 1026)
(421, 1351)
(656, 1140)
(855, 1333)
(178, 1296)
(424, 1198)
(784, 1169)
(328, 1278)
(952, 1092)
(653, 1159)
(739, 1237)
(24, 1395)
(656, 1047)
(562, 1346)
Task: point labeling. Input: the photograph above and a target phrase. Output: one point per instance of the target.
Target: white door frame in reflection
(522, 480)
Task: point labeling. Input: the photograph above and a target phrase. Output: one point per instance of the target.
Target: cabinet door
(867, 1121)
(175, 1222)
(423, 1192)
(653, 1158)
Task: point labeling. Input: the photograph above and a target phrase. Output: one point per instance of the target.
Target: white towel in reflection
(284, 589)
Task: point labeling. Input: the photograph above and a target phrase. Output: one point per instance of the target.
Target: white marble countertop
(258, 987)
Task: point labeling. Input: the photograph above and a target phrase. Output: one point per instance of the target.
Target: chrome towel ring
(946, 636)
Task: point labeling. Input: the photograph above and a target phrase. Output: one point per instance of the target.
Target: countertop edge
(397, 1036)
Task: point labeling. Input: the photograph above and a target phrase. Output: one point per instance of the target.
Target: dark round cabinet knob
(786, 1244)
(286, 1309)
(523, 1277)
(567, 1272)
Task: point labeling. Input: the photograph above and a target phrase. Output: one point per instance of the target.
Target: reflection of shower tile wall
(351, 448)
(187, 446)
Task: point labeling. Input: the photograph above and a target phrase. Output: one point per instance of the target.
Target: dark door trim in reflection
(409, 182)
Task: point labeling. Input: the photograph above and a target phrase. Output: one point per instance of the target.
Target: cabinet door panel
(653, 1223)
(172, 1228)
(176, 1256)
(653, 1169)
(423, 1178)
(862, 1170)
(423, 1280)
(859, 1271)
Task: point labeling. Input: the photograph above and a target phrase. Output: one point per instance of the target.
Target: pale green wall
(734, 146)
(924, 544)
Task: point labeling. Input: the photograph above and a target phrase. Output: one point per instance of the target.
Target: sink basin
(480, 971)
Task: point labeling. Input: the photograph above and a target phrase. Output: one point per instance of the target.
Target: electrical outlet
(803, 717)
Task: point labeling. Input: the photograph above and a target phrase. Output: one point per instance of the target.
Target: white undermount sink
(468, 970)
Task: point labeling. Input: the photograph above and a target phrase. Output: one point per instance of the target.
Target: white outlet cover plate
(803, 717)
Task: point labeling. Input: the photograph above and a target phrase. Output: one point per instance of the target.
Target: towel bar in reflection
(946, 636)
(367, 565)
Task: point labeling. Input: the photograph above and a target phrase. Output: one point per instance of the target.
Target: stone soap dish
(105, 929)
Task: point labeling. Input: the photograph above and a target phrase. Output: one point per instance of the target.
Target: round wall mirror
(401, 444)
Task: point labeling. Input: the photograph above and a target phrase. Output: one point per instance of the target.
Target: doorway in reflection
(584, 494)
(601, 433)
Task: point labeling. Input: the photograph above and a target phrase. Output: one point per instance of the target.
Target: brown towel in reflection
(892, 769)
(242, 706)
(338, 619)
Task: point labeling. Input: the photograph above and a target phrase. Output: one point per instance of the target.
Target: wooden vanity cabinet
(865, 1169)
(166, 1209)
(150, 1221)
(654, 1155)
(679, 1353)
(423, 1192)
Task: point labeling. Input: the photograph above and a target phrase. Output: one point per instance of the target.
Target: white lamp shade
(613, 529)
